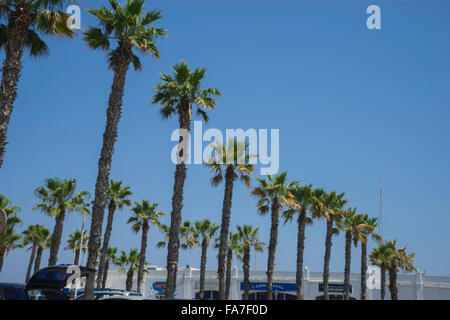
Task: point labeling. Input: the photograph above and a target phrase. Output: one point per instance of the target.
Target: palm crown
(182, 90)
(119, 194)
(274, 187)
(145, 214)
(76, 238)
(35, 235)
(43, 17)
(248, 238)
(130, 26)
(58, 195)
(234, 155)
(298, 198)
(206, 230)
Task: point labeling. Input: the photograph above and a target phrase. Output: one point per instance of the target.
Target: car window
(36, 295)
(1, 294)
(14, 294)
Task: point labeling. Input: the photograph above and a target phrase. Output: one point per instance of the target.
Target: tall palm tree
(44, 242)
(29, 238)
(232, 246)
(380, 257)
(33, 236)
(398, 258)
(328, 206)
(111, 256)
(8, 239)
(117, 198)
(234, 159)
(299, 200)
(272, 193)
(22, 23)
(205, 230)
(75, 241)
(145, 214)
(352, 224)
(248, 239)
(130, 26)
(177, 95)
(57, 197)
(365, 233)
(128, 263)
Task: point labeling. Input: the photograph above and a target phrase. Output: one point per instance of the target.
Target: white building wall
(410, 287)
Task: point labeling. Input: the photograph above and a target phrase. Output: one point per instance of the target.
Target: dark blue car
(12, 291)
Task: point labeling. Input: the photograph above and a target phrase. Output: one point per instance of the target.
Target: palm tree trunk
(177, 203)
(203, 269)
(272, 246)
(142, 256)
(228, 273)
(129, 281)
(56, 237)
(246, 272)
(30, 264)
(18, 24)
(37, 262)
(348, 257)
(326, 263)
(2, 257)
(76, 260)
(383, 282)
(393, 283)
(300, 249)
(123, 56)
(224, 230)
(106, 238)
(363, 270)
(105, 274)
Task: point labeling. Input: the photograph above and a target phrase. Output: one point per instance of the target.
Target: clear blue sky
(352, 105)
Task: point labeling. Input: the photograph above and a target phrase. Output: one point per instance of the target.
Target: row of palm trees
(121, 30)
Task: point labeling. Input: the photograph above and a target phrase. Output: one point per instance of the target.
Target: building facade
(410, 287)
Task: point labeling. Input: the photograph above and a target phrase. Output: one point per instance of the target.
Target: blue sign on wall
(160, 286)
(262, 286)
(334, 288)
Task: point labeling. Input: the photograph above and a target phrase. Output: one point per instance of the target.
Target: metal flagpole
(381, 209)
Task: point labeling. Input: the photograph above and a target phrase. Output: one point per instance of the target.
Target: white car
(102, 294)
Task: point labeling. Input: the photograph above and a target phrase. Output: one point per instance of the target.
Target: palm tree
(177, 95)
(111, 256)
(232, 246)
(299, 200)
(205, 230)
(234, 159)
(75, 241)
(145, 214)
(117, 198)
(131, 26)
(328, 206)
(398, 258)
(57, 197)
(24, 21)
(32, 236)
(352, 224)
(248, 239)
(365, 233)
(8, 239)
(272, 192)
(380, 257)
(44, 242)
(188, 236)
(128, 263)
